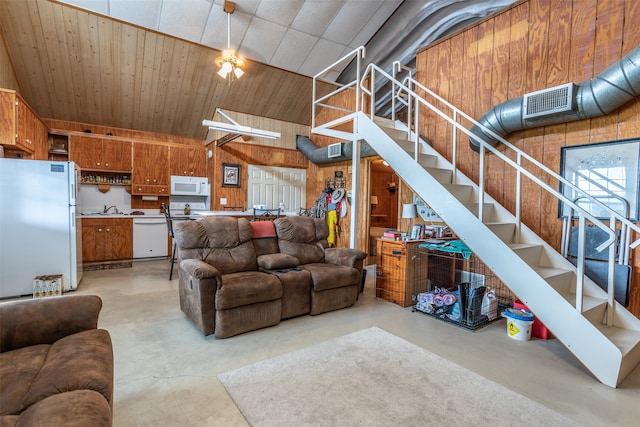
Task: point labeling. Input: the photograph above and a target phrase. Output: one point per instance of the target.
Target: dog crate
(460, 288)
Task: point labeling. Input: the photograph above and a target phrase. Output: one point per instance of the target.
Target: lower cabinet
(107, 239)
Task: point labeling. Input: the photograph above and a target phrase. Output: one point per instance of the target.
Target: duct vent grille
(334, 150)
(549, 101)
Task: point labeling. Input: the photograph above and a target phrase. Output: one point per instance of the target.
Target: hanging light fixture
(230, 64)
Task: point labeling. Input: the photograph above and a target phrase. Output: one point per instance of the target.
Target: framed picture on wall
(230, 175)
(425, 211)
(606, 171)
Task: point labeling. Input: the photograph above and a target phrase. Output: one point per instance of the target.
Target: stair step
(427, 160)
(588, 304)
(529, 252)
(443, 176)
(464, 193)
(384, 122)
(506, 231)
(487, 211)
(625, 339)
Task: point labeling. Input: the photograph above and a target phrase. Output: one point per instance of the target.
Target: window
(606, 171)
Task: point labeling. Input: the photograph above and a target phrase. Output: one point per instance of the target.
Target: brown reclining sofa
(237, 275)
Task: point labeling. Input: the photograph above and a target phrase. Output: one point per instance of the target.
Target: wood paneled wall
(534, 45)
(7, 75)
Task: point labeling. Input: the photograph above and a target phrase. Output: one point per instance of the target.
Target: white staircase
(601, 333)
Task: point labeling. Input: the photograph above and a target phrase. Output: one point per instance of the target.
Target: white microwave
(189, 186)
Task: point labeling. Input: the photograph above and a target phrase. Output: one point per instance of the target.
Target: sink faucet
(106, 209)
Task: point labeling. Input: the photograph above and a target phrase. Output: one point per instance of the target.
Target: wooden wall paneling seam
(485, 60)
(560, 30)
(45, 56)
(499, 93)
(467, 162)
(607, 50)
(519, 38)
(536, 79)
(630, 114)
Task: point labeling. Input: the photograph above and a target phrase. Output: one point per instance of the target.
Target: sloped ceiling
(85, 66)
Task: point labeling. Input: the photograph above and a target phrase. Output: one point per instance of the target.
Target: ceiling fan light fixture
(230, 64)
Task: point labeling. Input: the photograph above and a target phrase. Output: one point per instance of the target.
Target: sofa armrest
(199, 269)
(45, 320)
(344, 256)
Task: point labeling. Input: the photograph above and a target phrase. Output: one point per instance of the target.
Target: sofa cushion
(223, 242)
(18, 369)
(79, 408)
(247, 287)
(329, 276)
(277, 261)
(303, 237)
(76, 362)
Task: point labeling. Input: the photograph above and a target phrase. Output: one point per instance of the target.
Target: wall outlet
(223, 201)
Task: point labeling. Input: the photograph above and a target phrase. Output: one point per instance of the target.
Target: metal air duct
(319, 155)
(605, 93)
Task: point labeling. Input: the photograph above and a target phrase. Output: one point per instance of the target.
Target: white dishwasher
(150, 238)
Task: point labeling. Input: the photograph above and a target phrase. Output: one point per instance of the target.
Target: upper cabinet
(100, 154)
(151, 173)
(20, 128)
(188, 161)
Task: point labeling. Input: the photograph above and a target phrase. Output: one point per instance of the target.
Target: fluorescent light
(239, 129)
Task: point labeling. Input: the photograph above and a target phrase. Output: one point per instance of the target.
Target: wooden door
(116, 155)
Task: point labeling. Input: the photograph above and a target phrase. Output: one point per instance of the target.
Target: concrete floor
(165, 370)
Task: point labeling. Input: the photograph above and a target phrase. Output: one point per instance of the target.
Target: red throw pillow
(263, 229)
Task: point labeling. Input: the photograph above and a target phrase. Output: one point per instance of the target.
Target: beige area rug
(374, 378)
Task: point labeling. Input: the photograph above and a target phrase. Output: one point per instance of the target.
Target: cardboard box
(48, 286)
(538, 329)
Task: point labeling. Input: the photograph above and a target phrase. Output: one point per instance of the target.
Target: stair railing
(408, 90)
(320, 101)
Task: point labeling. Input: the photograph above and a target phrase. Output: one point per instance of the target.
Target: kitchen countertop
(235, 213)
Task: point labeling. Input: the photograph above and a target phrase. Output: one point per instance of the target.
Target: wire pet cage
(460, 289)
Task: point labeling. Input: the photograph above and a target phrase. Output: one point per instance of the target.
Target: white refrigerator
(40, 229)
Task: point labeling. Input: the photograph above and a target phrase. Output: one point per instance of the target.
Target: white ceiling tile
(351, 19)
(245, 6)
(215, 33)
(293, 50)
(100, 6)
(315, 15)
(263, 38)
(279, 11)
(323, 54)
(374, 23)
(145, 13)
(184, 22)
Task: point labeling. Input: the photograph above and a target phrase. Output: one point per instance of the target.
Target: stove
(177, 208)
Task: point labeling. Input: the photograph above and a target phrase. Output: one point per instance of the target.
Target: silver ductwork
(605, 93)
(320, 155)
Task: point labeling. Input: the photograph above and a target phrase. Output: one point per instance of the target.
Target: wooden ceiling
(78, 66)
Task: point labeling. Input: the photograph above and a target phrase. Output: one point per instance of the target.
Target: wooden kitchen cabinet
(151, 174)
(100, 154)
(401, 271)
(21, 129)
(188, 161)
(107, 239)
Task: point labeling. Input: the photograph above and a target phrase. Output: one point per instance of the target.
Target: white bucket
(519, 323)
